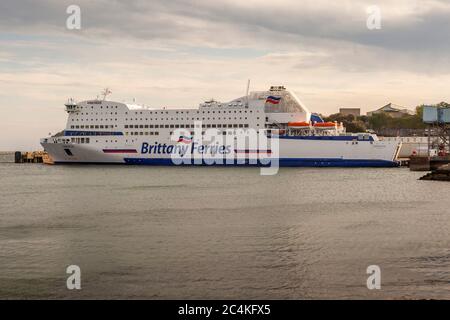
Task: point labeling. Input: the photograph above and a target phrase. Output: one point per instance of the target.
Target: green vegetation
(381, 120)
(352, 123)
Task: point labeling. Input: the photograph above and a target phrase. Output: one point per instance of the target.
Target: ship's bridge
(72, 106)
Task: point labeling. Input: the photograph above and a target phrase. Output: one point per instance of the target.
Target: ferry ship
(109, 132)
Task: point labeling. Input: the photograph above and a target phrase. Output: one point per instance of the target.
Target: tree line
(381, 120)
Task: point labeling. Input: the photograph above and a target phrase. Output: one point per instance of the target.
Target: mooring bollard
(18, 157)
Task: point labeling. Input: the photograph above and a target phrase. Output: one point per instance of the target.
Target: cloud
(413, 32)
(178, 53)
(234, 23)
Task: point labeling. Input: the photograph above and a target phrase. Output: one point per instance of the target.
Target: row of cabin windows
(187, 112)
(142, 133)
(100, 126)
(192, 119)
(156, 133)
(80, 140)
(106, 119)
(142, 126)
(87, 113)
(156, 126)
(198, 112)
(151, 119)
(203, 133)
(167, 119)
(101, 107)
(86, 140)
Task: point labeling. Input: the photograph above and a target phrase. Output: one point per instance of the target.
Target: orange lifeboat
(298, 124)
(325, 125)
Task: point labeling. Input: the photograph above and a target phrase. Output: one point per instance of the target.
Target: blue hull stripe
(284, 162)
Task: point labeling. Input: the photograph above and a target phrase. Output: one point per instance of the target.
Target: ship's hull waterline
(292, 153)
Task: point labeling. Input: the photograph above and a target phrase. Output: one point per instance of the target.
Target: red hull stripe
(253, 151)
(119, 150)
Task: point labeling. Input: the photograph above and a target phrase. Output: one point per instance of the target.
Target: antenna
(106, 92)
(246, 94)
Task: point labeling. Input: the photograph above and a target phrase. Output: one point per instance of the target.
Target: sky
(180, 53)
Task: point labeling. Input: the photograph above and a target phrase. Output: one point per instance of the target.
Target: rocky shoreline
(440, 174)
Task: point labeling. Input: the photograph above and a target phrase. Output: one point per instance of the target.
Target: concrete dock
(32, 157)
(428, 163)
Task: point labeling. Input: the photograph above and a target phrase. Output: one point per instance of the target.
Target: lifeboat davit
(298, 124)
(325, 125)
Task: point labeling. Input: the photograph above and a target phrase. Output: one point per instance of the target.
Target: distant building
(392, 110)
(353, 111)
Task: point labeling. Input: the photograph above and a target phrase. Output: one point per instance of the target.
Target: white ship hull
(292, 152)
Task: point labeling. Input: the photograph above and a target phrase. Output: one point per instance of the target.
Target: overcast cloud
(178, 53)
